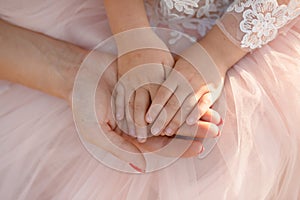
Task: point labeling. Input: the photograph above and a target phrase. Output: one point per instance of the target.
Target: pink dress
(257, 156)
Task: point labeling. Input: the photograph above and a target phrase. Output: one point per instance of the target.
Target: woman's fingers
(181, 115)
(141, 104)
(125, 150)
(103, 109)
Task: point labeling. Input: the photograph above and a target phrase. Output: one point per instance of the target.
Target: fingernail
(132, 132)
(141, 140)
(154, 131)
(118, 116)
(169, 131)
(220, 123)
(190, 121)
(219, 134)
(201, 150)
(136, 168)
(149, 118)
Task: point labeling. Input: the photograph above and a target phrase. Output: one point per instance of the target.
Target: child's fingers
(160, 99)
(141, 104)
(200, 109)
(170, 110)
(181, 115)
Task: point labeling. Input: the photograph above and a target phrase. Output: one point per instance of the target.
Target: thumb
(118, 146)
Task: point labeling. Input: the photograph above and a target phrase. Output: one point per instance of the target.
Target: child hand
(192, 87)
(142, 63)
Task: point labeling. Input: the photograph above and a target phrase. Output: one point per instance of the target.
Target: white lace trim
(195, 17)
(262, 19)
(187, 6)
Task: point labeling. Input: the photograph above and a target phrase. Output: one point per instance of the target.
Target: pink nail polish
(220, 123)
(136, 168)
(202, 149)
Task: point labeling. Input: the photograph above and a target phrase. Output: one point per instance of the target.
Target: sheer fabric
(257, 156)
(249, 24)
(254, 23)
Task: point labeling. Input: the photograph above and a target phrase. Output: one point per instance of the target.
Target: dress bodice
(247, 23)
(194, 17)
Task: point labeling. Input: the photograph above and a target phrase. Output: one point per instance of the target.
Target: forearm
(224, 53)
(38, 61)
(126, 14)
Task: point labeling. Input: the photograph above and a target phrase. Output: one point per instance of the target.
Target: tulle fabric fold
(256, 157)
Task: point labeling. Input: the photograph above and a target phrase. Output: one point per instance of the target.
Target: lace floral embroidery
(262, 19)
(194, 17)
(259, 21)
(187, 6)
(240, 6)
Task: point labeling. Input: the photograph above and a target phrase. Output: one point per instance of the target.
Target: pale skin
(151, 100)
(224, 53)
(134, 16)
(49, 65)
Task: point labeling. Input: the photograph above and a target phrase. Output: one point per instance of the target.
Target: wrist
(66, 70)
(224, 53)
(138, 39)
(126, 15)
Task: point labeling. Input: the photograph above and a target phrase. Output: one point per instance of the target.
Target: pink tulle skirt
(257, 156)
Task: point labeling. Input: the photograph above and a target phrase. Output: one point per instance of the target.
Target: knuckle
(159, 98)
(188, 108)
(161, 122)
(139, 107)
(173, 104)
(196, 112)
(168, 86)
(139, 122)
(206, 101)
(175, 123)
(202, 110)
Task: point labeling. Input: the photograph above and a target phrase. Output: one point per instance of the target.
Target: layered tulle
(256, 157)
